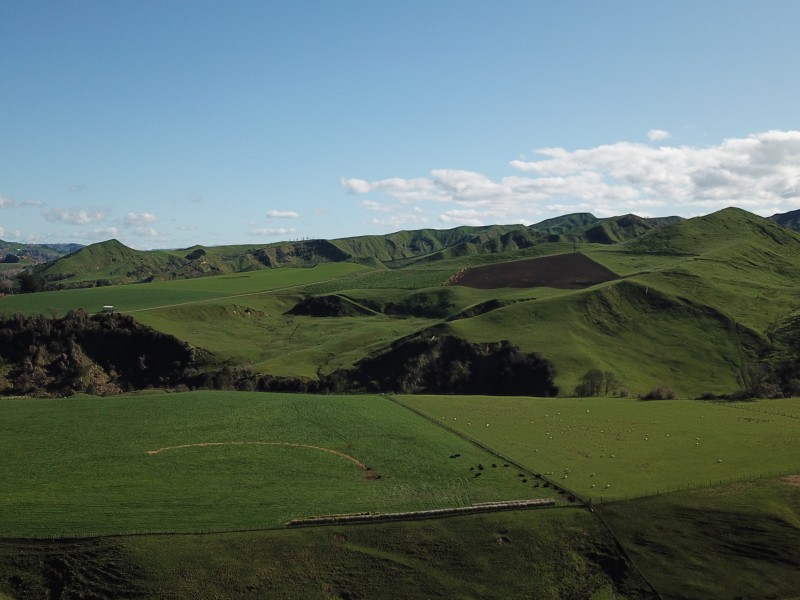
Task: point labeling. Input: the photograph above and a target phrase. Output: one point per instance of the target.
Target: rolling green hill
(110, 262)
(695, 305)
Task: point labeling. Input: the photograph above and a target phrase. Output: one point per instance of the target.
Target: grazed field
(611, 448)
(90, 466)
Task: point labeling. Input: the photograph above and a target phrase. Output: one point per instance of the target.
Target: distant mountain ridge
(37, 252)
(790, 220)
(111, 262)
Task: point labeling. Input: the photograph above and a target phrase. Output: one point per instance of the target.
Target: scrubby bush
(596, 382)
(660, 392)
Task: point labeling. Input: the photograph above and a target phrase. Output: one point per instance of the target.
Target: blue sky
(165, 124)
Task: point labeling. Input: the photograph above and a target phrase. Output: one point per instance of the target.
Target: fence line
(480, 507)
(465, 436)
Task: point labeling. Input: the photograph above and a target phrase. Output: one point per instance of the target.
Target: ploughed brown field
(563, 271)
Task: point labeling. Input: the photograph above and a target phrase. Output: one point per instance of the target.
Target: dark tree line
(111, 353)
(104, 353)
(451, 365)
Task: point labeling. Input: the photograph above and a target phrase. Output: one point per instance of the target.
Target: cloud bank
(282, 214)
(760, 173)
(76, 216)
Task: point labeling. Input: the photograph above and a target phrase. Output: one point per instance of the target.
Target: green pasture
(612, 448)
(254, 331)
(149, 296)
(406, 279)
(626, 264)
(643, 338)
(80, 466)
(740, 540)
(543, 554)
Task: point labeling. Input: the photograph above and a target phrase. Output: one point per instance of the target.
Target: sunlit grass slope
(148, 296)
(611, 448)
(643, 336)
(217, 461)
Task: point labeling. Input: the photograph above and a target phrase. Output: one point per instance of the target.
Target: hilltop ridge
(111, 262)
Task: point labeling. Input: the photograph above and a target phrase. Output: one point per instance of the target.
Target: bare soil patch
(793, 480)
(563, 271)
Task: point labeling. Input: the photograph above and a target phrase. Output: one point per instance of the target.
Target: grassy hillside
(739, 540)
(699, 299)
(544, 554)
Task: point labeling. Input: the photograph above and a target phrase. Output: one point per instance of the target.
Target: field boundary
(557, 486)
(585, 502)
(479, 507)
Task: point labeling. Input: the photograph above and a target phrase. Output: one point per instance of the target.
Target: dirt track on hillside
(563, 271)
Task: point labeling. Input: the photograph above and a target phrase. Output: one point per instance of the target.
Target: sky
(169, 123)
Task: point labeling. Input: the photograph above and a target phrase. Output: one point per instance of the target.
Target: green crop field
(614, 448)
(219, 461)
(148, 296)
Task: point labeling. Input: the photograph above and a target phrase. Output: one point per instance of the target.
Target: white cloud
(378, 207)
(760, 173)
(398, 221)
(188, 227)
(139, 219)
(273, 231)
(8, 203)
(655, 135)
(462, 217)
(283, 214)
(95, 235)
(144, 231)
(76, 216)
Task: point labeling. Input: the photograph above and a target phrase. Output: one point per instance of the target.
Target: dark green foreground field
(89, 481)
(559, 553)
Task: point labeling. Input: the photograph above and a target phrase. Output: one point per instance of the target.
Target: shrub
(660, 392)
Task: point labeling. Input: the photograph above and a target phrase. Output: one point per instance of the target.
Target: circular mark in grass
(364, 468)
